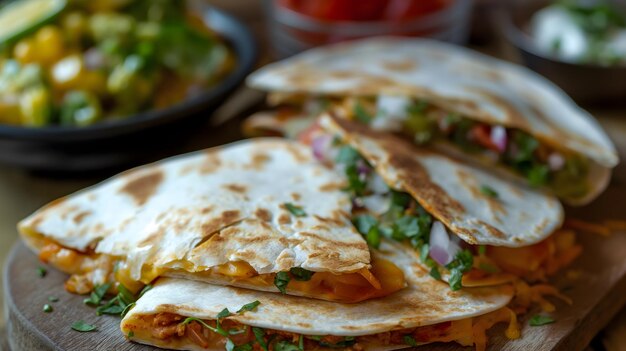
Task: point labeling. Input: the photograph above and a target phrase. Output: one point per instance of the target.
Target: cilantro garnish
(409, 340)
(219, 330)
(284, 345)
(295, 210)
(47, 308)
(259, 335)
(347, 155)
(488, 191)
(539, 320)
(130, 334)
(223, 314)
(417, 107)
(82, 327)
(373, 237)
(41, 272)
(53, 299)
(461, 264)
(97, 294)
(249, 307)
(538, 175)
(361, 114)
(434, 272)
(482, 250)
(301, 274)
(281, 280)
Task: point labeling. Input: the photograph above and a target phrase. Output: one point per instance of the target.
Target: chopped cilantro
(405, 227)
(539, 320)
(114, 307)
(361, 114)
(47, 308)
(295, 210)
(259, 335)
(130, 334)
(364, 223)
(219, 330)
(281, 280)
(81, 326)
(461, 264)
(95, 298)
(409, 340)
(488, 191)
(347, 155)
(417, 107)
(538, 175)
(300, 274)
(125, 295)
(249, 307)
(434, 272)
(41, 272)
(424, 250)
(356, 184)
(244, 347)
(223, 313)
(53, 299)
(373, 237)
(127, 309)
(301, 343)
(284, 345)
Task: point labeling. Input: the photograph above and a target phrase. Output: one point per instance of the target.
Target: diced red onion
(376, 204)
(321, 146)
(439, 242)
(556, 161)
(499, 138)
(362, 168)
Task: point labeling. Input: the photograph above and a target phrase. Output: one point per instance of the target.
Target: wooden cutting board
(599, 292)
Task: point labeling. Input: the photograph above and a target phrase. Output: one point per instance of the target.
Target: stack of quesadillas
(384, 226)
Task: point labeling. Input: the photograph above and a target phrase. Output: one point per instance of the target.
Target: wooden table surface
(22, 192)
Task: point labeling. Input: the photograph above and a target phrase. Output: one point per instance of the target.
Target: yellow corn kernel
(49, 44)
(35, 107)
(25, 51)
(75, 26)
(9, 112)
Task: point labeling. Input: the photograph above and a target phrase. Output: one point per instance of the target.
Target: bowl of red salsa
(297, 25)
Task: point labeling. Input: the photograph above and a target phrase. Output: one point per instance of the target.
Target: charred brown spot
(236, 188)
(284, 219)
(263, 214)
(211, 163)
(332, 187)
(80, 216)
(226, 218)
(400, 65)
(142, 188)
(296, 196)
(258, 161)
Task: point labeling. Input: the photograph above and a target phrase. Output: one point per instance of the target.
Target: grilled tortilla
(236, 215)
(426, 311)
(500, 229)
(496, 112)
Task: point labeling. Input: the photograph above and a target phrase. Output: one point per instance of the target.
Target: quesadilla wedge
(188, 315)
(471, 227)
(497, 113)
(258, 214)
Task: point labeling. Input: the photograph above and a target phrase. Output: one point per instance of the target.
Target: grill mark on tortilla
(296, 153)
(334, 221)
(263, 214)
(336, 243)
(492, 230)
(225, 219)
(142, 188)
(211, 163)
(400, 65)
(236, 188)
(332, 186)
(258, 161)
(80, 216)
(284, 219)
(296, 196)
(206, 210)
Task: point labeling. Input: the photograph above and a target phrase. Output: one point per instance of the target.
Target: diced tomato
(481, 134)
(307, 135)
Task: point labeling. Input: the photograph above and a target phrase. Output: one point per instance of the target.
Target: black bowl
(124, 142)
(585, 83)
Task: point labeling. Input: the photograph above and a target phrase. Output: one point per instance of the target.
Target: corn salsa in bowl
(76, 63)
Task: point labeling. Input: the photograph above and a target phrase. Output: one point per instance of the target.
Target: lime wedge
(22, 17)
